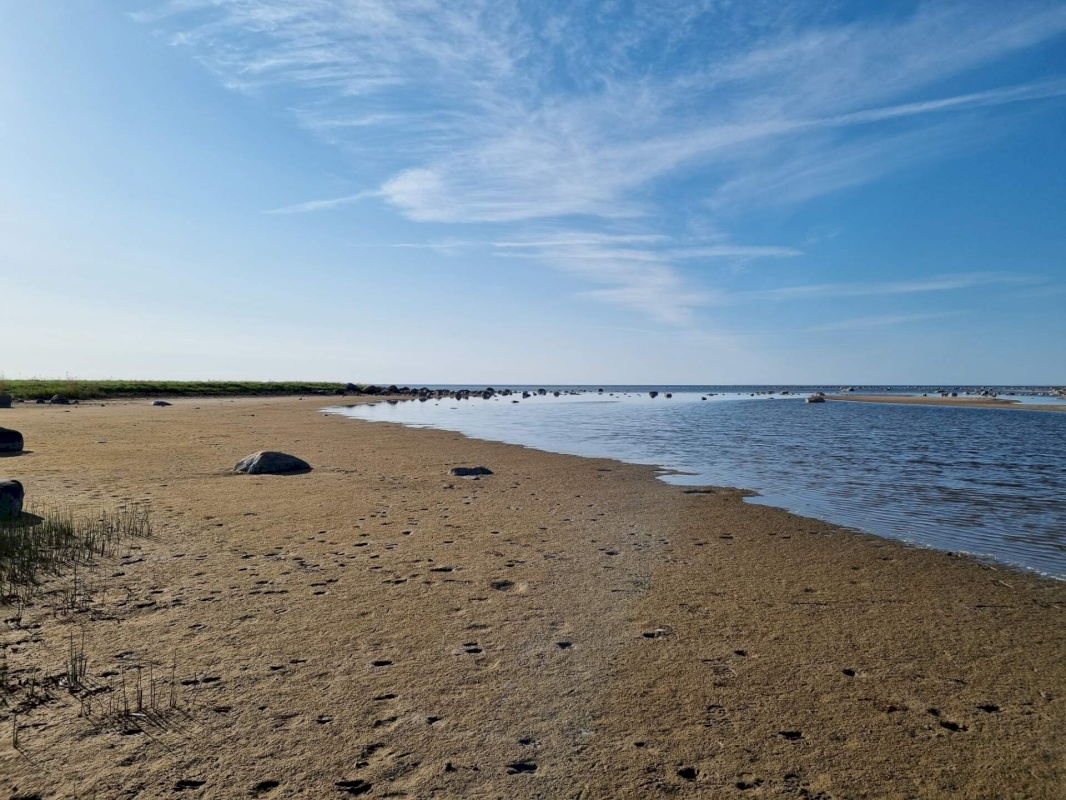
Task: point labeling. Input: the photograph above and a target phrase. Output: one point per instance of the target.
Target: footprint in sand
(354, 788)
(263, 788)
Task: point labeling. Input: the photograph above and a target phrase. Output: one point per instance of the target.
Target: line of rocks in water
(425, 393)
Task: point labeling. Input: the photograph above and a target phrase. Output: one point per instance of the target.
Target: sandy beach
(966, 402)
(565, 628)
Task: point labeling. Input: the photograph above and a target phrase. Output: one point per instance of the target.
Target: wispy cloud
(883, 320)
(636, 271)
(497, 111)
(939, 283)
(518, 113)
(324, 205)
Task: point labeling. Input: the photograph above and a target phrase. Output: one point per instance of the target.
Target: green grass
(96, 390)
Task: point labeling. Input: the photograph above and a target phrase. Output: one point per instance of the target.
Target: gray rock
(653, 394)
(161, 403)
(469, 472)
(11, 496)
(5, 400)
(271, 462)
(10, 441)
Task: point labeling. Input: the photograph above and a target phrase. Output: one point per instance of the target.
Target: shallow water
(990, 482)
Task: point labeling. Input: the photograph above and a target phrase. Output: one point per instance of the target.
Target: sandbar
(968, 402)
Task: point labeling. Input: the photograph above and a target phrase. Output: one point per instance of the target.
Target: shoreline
(708, 642)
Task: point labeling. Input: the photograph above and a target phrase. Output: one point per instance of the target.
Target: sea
(988, 482)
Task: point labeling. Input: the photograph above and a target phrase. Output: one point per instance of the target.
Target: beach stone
(11, 496)
(161, 403)
(469, 472)
(10, 441)
(271, 462)
(5, 400)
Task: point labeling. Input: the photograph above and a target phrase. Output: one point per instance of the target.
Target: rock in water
(469, 472)
(10, 441)
(271, 462)
(5, 400)
(11, 497)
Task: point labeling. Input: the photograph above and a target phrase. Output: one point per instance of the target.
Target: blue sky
(424, 191)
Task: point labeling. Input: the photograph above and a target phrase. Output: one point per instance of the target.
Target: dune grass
(98, 390)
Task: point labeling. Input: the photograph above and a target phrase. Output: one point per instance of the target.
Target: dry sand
(970, 402)
(565, 628)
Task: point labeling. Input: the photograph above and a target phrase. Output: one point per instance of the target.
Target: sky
(538, 191)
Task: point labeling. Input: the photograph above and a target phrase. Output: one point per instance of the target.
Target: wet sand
(567, 627)
(970, 402)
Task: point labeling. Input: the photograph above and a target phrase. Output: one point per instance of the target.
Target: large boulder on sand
(10, 441)
(11, 497)
(5, 400)
(271, 462)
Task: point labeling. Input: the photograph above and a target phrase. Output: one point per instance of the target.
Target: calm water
(989, 482)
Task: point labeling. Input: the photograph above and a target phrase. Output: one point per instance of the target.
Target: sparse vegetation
(45, 558)
(99, 390)
(44, 543)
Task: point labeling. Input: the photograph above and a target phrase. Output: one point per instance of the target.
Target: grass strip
(99, 390)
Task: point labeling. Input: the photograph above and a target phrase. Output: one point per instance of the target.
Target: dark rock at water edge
(469, 472)
(11, 496)
(271, 462)
(10, 441)
(5, 400)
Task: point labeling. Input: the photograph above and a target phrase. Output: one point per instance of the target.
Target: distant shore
(969, 402)
(564, 626)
